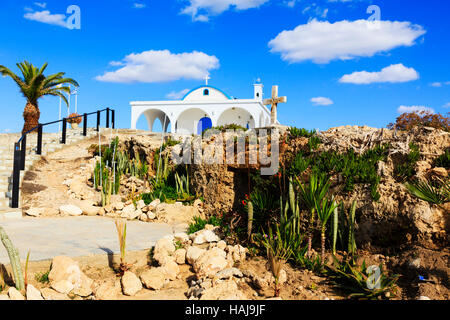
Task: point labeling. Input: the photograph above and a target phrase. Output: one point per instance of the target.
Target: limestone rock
(154, 278)
(33, 293)
(118, 205)
(181, 236)
(193, 253)
(154, 204)
(180, 256)
(127, 211)
(140, 204)
(62, 286)
(15, 294)
(130, 284)
(34, 212)
(164, 245)
(50, 294)
(227, 290)
(151, 215)
(211, 262)
(107, 291)
(441, 172)
(171, 270)
(70, 210)
(229, 273)
(204, 236)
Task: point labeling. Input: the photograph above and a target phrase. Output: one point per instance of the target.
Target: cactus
(14, 260)
(250, 219)
(351, 230)
(335, 227)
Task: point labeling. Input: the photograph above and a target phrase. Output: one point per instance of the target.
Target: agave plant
(424, 190)
(312, 195)
(324, 211)
(33, 85)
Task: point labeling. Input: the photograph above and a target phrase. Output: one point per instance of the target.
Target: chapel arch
(152, 115)
(237, 116)
(188, 121)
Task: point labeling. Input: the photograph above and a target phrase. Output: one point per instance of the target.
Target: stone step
(8, 213)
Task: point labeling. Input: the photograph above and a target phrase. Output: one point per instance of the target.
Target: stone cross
(274, 101)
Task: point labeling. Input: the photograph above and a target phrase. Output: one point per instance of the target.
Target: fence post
(39, 140)
(64, 129)
(113, 118)
(85, 125)
(23, 150)
(107, 117)
(98, 121)
(16, 176)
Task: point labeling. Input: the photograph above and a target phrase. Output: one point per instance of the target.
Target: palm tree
(34, 85)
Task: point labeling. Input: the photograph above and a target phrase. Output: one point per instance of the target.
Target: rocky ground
(203, 265)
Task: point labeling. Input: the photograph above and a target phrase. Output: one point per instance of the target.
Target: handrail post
(23, 150)
(64, 129)
(113, 118)
(98, 121)
(39, 140)
(107, 117)
(85, 124)
(16, 176)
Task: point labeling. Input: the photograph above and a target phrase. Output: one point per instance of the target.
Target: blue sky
(335, 66)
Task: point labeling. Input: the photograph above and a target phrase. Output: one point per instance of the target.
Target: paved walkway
(76, 236)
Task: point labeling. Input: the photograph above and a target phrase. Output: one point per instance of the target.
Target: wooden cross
(274, 101)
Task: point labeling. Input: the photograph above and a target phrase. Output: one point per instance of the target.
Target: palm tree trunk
(31, 116)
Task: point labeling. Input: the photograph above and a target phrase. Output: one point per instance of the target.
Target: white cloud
(322, 101)
(436, 84)
(409, 109)
(201, 10)
(395, 73)
(322, 41)
(447, 105)
(43, 5)
(177, 95)
(139, 5)
(46, 17)
(161, 66)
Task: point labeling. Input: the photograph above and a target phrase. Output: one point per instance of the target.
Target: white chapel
(202, 108)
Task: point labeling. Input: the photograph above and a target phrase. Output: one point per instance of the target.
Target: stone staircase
(50, 143)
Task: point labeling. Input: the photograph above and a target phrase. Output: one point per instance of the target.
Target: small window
(257, 94)
(206, 92)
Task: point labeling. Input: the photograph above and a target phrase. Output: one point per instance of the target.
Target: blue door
(203, 124)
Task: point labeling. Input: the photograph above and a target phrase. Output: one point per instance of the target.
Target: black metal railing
(20, 146)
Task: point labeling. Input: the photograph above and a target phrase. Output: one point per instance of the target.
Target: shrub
(407, 121)
(199, 223)
(438, 193)
(297, 133)
(42, 277)
(405, 170)
(231, 126)
(443, 160)
(71, 119)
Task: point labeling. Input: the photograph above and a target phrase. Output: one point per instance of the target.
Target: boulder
(15, 294)
(33, 293)
(130, 284)
(70, 210)
(118, 206)
(211, 262)
(181, 236)
(229, 273)
(171, 270)
(227, 290)
(127, 211)
(180, 256)
(153, 279)
(50, 294)
(62, 286)
(107, 291)
(34, 212)
(154, 204)
(204, 236)
(88, 208)
(164, 245)
(140, 204)
(151, 215)
(193, 253)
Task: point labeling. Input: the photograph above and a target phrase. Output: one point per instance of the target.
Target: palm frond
(426, 191)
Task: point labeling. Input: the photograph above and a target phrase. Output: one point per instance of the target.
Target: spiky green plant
(312, 194)
(424, 190)
(354, 280)
(335, 228)
(351, 230)
(26, 269)
(324, 211)
(14, 259)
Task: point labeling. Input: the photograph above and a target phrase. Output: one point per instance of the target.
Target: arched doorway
(237, 116)
(192, 120)
(157, 121)
(203, 124)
